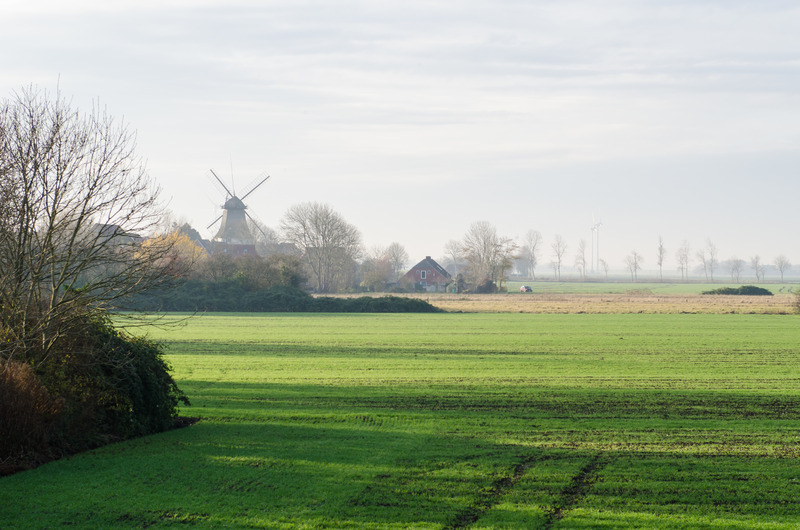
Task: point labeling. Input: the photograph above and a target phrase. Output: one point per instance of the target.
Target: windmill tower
(234, 234)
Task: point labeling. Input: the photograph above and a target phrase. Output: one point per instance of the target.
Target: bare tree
(783, 264)
(488, 254)
(453, 251)
(559, 247)
(758, 267)
(266, 239)
(382, 266)
(506, 254)
(376, 269)
(330, 245)
(634, 264)
(712, 258)
(735, 267)
(603, 266)
(531, 246)
(398, 258)
(682, 256)
(77, 204)
(708, 259)
(703, 258)
(661, 255)
(216, 267)
(478, 248)
(580, 259)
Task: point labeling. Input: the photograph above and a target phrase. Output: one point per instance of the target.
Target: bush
(487, 286)
(367, 304)
(745, 290)
(27, 415)
(113, 387)
(280, 299)
(197, 295)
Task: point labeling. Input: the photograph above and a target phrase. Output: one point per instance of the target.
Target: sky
(414, 119)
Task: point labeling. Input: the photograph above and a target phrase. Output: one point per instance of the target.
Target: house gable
(427, 275)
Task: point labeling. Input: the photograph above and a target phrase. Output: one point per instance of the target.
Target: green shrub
(745, 290)
(222, 296)
(368, 304)
(113, 387)
(282, 298)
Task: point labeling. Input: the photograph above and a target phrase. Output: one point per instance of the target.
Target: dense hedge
(746, 290)
(367, 304)
(98, 386)
(115, 386)
(200, 295)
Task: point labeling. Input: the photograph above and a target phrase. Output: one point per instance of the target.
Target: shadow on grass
(270, 455)
(240, 473)
(266, 400)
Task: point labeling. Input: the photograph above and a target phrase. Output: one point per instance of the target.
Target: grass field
(454, 421)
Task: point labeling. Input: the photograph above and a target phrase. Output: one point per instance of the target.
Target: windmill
(233, 230)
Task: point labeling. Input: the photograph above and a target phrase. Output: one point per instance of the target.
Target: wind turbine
(596, 243)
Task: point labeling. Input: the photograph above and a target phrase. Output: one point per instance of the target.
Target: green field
(454, 421)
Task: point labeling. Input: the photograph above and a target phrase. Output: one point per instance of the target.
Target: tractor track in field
(570, 497)
(577, 489)
(492, 495)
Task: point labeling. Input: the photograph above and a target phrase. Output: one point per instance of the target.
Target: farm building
(427, 275)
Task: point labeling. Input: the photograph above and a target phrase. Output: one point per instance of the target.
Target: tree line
(526, 259)
(320, 251)
(708, 265)
(314, 248)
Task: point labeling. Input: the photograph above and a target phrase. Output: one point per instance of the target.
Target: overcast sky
(415, 119)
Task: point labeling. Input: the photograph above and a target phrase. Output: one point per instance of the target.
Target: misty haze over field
(416, 119)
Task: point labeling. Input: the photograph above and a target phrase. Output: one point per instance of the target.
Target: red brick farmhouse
(427, 275)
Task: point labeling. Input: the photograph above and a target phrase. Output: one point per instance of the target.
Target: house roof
(114, 231)
(430, 263)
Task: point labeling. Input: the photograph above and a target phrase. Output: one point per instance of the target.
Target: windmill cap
(234, 203)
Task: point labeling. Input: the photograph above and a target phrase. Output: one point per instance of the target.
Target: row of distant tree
(315, 247)
(482, 252)
(319, 250)
(705, 261)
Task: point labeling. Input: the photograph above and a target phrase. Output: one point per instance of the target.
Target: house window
(423, 274)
